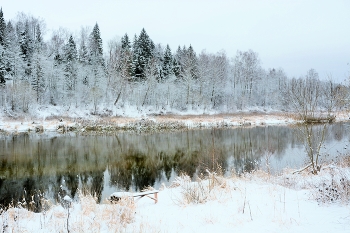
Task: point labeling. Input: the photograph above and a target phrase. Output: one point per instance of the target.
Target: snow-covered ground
(253, 203)
(49, 123)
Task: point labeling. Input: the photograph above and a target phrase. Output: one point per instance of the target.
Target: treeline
(73, 72)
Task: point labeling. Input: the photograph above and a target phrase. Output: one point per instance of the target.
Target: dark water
(33, 166)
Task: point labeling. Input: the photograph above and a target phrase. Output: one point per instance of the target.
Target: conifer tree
(83, 53)
(177, 62)
(125, 63)
(2, 65)
(70, 71)
(157, 63)
(167, 68)
(26, 47)
(192, 62)
(96, 62)
(2, 28)
(135, 58)
(176, 67)
(99, 82)
(125, 42)
(37, 74)
(96, 48)
(143, 49)
(38, 38)
(13, 53)
(2, 48)
(37, 77)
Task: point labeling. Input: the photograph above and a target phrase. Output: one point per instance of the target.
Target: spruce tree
(96, 48)
(38, 38)
(2, 48)
(70, 50)
(167, 68)
(83, 53)
(70, 71)
(2, 65)
(192, 62)
(179, 61)
(96, 58)
(125, 42)
(26, 46)
(143, 49)
(37, 74)
(157, 62)
(125, 64)
(37, 78)
(12, 51)
(2, 28)
(176, 67)
(135, 58)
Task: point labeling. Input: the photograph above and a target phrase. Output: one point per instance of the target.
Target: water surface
(51, 166)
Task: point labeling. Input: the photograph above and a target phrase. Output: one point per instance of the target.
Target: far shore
(150, 122)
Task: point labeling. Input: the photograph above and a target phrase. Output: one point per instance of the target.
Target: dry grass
(200, 191)
(318, 119)
(85, 216)
(116, 215)
(344, 161)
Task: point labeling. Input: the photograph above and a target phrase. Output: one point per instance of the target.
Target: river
(36, 166)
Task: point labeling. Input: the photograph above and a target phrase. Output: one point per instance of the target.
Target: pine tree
(143, 49)
(125, 42)
(125, 62)
(70, 71)
(135, 58)
(2, 48)
(12, 51)
(37, 74)
(96, 55)
(167, 68)
(2, 65)
(2, 28)
(192, 62)
(37, 81)
(146, 45)
(157, 62)
(83, 53)
(26, 46)
(70, 50)
(177, 68)
(96, 48)
(38, 38)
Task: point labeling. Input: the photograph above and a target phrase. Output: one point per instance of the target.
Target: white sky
(293, 35)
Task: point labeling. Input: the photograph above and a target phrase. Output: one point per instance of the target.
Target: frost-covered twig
(302, 169)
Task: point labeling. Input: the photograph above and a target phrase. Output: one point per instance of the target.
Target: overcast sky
(293, 35)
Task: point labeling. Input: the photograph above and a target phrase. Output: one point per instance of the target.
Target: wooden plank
(118, 195)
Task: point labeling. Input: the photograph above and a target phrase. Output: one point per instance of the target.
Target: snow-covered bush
(335, 186)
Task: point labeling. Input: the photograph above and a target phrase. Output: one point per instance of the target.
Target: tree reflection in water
(33, 166)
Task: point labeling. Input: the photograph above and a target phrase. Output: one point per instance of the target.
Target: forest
(74, 72)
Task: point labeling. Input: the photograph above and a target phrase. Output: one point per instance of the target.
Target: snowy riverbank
(254, 202)
(152, 122)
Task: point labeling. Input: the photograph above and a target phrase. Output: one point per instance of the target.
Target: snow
(254, 202)
(55, 119)
(67, 198)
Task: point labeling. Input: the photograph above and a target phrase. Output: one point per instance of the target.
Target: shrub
(335, 187)
(200, 191)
